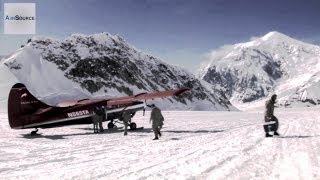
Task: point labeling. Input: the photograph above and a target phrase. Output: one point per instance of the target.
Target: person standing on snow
(103, 118)
(126, 118)
(97, 119)
(157, 121)
(270, 118)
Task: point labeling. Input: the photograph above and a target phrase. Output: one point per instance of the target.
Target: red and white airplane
(25, 111)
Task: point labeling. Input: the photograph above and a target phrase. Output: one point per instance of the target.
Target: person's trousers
(100, 125)
(271, 127)
(156, 130)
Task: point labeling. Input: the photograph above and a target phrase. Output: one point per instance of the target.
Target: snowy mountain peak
(103, 38)
(99, 37)
(273, 63)
(273, 38)
(103, 66)
(274, 35)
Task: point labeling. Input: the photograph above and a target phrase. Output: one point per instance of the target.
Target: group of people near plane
(156, 119)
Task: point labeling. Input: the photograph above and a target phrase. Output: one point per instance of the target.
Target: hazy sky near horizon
(180, 32)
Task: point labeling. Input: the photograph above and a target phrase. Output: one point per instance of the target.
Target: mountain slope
(104, 65)
(274, 63)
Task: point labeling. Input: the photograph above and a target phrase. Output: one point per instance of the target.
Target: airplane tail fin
(21, 103)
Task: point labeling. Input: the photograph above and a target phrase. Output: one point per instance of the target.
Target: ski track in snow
(195, 145)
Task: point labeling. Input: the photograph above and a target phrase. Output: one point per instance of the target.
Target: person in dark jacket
(98, 118)
(95, 120)
(126, 118)
(103, 118)
(273, 123)
(157, 121)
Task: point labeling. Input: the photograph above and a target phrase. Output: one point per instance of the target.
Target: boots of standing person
(276, 133)
(268, 135)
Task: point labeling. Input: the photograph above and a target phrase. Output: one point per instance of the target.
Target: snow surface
(194, 145)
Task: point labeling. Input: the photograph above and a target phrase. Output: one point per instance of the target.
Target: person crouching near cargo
(157, 121)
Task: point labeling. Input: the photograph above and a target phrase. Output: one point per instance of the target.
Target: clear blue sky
(180, 32)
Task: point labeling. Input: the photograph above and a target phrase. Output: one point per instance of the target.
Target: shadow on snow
(56, 137)
(299, 136)
(197, 131)
(110, 131)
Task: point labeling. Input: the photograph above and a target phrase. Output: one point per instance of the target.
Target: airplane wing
(146, 96)
(129, 99)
